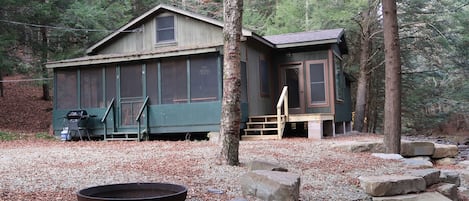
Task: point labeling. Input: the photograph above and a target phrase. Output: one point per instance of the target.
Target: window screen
(131, 80)
(173, 81)
(152, 81)
(91, 87)
(204, 78)
(317, 84)
(165, 29)
(110, 83)
(66, 89)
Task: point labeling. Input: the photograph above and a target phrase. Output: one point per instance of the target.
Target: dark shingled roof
(309, 36)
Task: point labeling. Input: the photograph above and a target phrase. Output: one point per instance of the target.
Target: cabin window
(91, 87)
(317, 85)
(203, 78)
(264, 77)
(174, 81)
(66, 89)
(339, 79)
(165, 29)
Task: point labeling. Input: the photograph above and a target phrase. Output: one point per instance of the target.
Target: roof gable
(153, 12)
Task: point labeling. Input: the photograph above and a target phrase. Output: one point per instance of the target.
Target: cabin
(161, 73)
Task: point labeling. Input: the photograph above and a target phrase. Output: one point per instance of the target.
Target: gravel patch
(55, 170)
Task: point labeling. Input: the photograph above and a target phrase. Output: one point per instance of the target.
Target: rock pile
(422, 181)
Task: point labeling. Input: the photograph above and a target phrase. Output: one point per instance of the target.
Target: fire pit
(134, 191)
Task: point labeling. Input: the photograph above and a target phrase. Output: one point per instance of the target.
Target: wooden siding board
(189, 32)
(344, 108)
(258, 105)
(185, 114)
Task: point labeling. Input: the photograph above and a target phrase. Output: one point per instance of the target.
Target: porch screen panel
(131, 81)
(66, 89)
(91, 87)
(174, 81)
(317, 83)
(110, 84)
(204, 78)
(152, 82)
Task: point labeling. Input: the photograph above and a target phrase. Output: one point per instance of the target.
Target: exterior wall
(189, 33)
(259, 104)
(343, 108)
(286, 57)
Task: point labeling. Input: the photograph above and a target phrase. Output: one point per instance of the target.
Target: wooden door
(293, 77)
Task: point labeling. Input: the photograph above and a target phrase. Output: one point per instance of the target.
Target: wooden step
(122, 139)
(264, 118)
(260, 129)
(122, 136)
(259, 137)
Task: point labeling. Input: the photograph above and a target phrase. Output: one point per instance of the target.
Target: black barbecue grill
(75, 123)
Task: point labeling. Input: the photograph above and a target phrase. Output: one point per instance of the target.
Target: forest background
(434, 41)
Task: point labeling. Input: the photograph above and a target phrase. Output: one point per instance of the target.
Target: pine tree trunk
(231, 112)
(392, 103)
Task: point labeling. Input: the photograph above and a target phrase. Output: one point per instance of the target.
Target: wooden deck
(266, 127)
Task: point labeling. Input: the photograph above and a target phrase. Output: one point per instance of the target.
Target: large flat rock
(417, 148)
(450, 176)
(390, 185)
(427, 196)
(271, 185)
(431, 176)
(445, 150)
(417, 163)
(362, 146)
(264, 165)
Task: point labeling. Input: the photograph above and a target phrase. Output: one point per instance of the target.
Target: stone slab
(427, 196)
(449, 176)
(417, 163)
(431, 176)
(390, 185)
(417, 148)
(445, 150)
(387, 156)
(264, 165)
(271, 185)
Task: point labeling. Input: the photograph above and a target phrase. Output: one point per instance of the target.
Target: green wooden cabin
(162, 73)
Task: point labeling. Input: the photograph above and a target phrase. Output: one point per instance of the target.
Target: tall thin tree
(392, 103)
(231, 112)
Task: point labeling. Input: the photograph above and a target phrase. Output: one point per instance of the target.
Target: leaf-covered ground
(22, 109)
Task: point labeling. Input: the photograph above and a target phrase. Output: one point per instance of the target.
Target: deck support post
(315, 129)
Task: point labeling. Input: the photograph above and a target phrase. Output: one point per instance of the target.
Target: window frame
(324, 103)
(165, 42)
(339, 79)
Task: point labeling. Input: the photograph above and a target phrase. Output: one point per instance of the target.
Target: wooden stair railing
(110, 108)
(269, 126)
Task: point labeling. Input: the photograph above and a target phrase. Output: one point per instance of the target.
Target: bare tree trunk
(392, 102)
(362, 87)
(44, 50)
(231, 112)
(1, 84)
